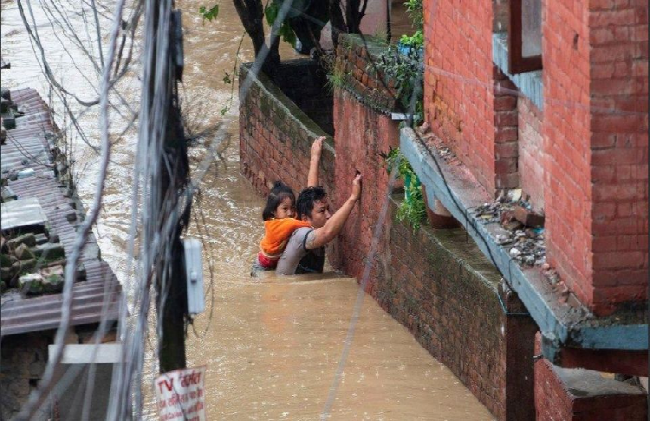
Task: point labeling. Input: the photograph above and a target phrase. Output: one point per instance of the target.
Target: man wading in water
(305, 251)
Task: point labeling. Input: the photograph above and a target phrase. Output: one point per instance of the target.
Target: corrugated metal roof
(22, 213)
(30, 145)
(91, 302)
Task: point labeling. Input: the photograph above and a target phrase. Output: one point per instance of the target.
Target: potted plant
(411, 45)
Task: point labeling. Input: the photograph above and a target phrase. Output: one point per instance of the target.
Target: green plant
(335, 78)
(415, 41)
(395, 158)
(209, 14)
(404, 71)
(286, 31)
(414, 9)
(412, 209)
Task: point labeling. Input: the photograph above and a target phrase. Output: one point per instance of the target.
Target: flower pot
(407, 50)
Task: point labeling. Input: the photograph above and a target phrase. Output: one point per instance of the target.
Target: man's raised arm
(316, 149)
(321, 236)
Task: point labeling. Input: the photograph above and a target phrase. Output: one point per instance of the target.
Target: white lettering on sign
(180, 396)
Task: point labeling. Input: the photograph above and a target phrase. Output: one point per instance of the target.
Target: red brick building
(551, 96)
(573, 134)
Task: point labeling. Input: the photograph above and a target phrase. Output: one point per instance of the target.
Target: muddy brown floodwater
(272, 346)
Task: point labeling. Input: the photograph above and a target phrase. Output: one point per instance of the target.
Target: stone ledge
(562, 324)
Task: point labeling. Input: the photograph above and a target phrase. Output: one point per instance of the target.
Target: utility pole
(170, 282)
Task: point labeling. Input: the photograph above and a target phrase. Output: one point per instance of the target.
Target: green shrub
(412, 209)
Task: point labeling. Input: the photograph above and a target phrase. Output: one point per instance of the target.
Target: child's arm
(316, 148)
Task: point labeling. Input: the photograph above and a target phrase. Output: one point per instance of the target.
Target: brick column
(506, 122)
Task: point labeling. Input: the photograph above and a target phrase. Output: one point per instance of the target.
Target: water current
(271, 347)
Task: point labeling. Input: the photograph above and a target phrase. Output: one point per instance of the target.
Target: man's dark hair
(306, 199)
(278, 193)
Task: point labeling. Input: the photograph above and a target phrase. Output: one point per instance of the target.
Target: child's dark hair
(278, 193)
(306, 199)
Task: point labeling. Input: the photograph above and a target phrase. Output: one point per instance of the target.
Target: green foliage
(209, 14)
(286, 32)
(414, 9)
(395, 158)
(405, 71)
(415, 41)
(412, 209)
(335, 78)
(226, 78)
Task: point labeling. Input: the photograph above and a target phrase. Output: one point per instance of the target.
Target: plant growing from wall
(412, 209)
(404, 71)
(335, 78)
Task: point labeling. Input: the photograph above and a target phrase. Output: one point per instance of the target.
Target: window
(525, 36)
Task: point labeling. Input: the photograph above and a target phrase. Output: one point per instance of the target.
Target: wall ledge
(562, 324)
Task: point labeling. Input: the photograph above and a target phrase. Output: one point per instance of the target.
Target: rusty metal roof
(30, 145)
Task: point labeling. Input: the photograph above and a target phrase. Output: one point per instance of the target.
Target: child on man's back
(279, 215)
(279, 224)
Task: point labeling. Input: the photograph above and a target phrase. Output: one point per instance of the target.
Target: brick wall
(354, 65)
(583, 395)
(506, 134)
(566, 127)
(458, 80)
(595, 128)
(276, 137)
(361, 135)
(584, 160)
(447, 294)
(619, 151)
(433, 282)
(532, 152)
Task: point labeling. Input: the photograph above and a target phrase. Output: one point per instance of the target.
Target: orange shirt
(277, 232)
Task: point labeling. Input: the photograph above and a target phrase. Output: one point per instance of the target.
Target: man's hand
(317, 147)
(356, 187)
